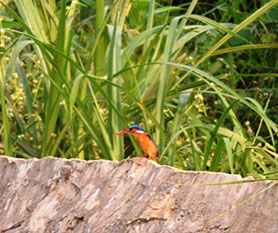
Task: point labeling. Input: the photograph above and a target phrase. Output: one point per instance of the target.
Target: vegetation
(200, 77)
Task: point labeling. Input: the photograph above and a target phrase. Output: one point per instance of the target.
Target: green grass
(200, 78)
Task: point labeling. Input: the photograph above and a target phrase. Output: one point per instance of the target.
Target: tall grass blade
(229, 154)
(101, 48)
(53, 99)
(163, 81)
(114, 64)
(149, 23)
(6, 124)
(217, 156)
(213, 134)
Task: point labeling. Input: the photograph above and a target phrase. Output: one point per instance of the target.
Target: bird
(144, 140)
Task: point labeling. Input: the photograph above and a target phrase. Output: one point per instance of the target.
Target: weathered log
(59, 195)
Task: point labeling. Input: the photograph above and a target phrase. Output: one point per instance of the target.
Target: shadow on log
(59, 195)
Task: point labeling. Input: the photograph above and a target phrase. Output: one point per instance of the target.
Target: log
(60, 195)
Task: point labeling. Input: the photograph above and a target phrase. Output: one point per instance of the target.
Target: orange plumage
(144, 140)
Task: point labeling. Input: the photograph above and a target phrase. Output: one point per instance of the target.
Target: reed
(182, 72)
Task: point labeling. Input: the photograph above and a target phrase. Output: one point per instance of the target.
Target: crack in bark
(15, 225)
(145, 219)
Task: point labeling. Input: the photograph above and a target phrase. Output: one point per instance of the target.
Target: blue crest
(136, 127)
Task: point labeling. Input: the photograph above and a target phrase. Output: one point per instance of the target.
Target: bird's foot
(147, 157)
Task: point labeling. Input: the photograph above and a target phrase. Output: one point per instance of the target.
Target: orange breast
(147, 145)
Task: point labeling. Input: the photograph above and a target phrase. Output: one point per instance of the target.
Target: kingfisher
(144, 140)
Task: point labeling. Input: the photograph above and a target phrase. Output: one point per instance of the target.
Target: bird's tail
(157, 157)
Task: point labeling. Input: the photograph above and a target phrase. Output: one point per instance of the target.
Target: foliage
(199, 77)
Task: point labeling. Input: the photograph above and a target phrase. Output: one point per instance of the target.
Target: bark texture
(59, 195)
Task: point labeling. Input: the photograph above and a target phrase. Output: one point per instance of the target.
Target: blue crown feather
(136, 127)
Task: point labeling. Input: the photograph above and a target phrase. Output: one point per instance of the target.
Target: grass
(196, 78)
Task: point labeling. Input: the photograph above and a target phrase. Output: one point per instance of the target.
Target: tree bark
(59, 195)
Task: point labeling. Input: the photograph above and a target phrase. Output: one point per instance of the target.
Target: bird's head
(133, 129)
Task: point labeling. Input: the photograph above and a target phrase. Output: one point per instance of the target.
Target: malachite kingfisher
(145, 141)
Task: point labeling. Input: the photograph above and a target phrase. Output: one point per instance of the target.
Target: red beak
(122, 132)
